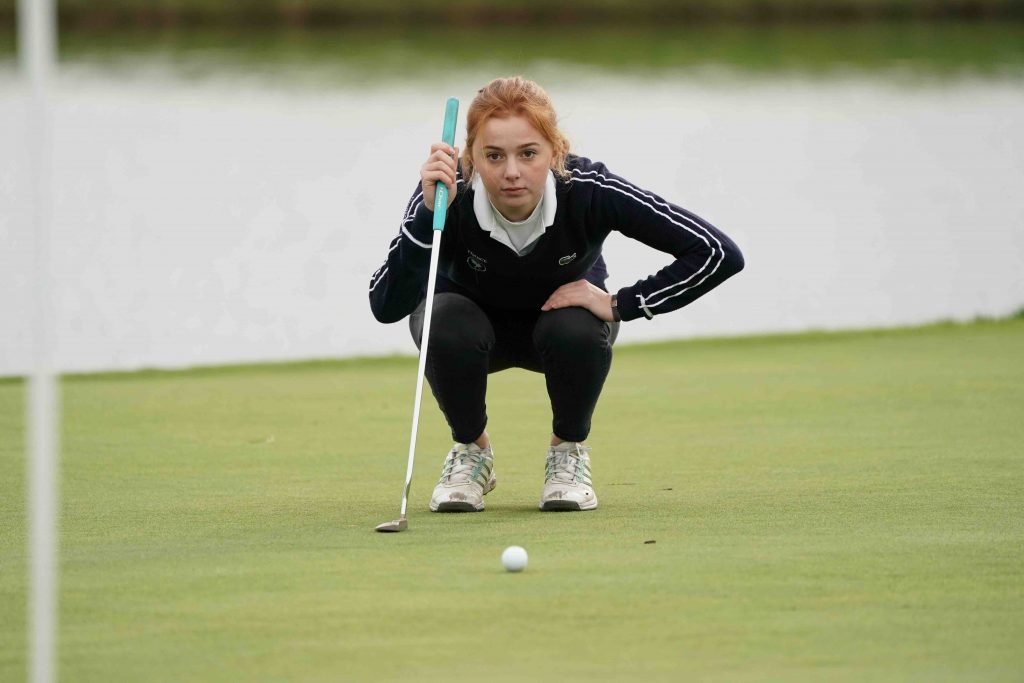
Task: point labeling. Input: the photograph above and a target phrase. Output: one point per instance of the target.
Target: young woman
(521, 282)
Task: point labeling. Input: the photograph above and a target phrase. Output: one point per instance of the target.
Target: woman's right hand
(439, 167)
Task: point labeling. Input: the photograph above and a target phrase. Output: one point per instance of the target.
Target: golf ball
(514, 558)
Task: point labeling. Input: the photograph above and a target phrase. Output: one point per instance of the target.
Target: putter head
(392, 527)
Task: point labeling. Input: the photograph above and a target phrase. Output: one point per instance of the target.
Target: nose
(511, 170)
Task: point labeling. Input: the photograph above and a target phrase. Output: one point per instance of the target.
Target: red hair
(515, 96)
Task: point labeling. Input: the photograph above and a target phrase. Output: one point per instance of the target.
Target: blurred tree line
(310, 13)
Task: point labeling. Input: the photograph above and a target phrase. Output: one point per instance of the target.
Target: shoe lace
(566, 467)
(462, 466)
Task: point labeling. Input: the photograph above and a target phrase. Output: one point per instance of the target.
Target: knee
(458, 325)
(571, 330)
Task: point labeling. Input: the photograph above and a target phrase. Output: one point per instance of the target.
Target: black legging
(571, 346)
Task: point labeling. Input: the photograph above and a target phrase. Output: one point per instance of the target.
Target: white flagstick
(37, 48)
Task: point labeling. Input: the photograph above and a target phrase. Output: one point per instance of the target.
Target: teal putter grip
(451, 118)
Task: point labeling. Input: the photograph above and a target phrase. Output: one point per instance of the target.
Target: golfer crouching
(521, 282)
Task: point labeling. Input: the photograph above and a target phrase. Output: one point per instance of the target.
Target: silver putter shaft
(401, 524)
(451, 116)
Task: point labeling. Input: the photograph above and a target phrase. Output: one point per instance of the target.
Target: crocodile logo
(566, 260)
(476, 263)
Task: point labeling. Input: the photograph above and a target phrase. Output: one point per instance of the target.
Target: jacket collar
(483, 209)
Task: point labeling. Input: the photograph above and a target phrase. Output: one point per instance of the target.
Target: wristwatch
(616, 316)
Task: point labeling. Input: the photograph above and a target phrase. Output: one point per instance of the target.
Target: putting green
(825, 507)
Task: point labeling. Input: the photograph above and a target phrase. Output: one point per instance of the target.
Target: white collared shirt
(519, 236)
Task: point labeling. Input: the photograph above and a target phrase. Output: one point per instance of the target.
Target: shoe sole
(460, 506)
(565, 506)
(453, 506)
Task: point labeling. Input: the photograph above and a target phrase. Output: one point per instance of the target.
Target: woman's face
(513, 160)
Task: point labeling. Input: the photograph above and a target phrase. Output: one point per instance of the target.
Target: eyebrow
(528, 144)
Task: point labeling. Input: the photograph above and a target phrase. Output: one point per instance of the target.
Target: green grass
(841, 507)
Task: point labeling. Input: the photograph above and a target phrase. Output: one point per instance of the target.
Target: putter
(451, 116)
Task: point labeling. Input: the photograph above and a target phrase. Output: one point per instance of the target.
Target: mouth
(514, 190)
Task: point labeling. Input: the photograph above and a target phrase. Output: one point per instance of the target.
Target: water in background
(220, 207)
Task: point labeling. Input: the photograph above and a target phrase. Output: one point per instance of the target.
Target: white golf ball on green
(514, 558)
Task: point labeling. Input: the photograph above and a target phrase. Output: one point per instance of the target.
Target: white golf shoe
(467, 476)
(567, 484)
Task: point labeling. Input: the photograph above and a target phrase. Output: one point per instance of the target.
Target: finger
(446, 177)
(556, 303)
(442, 173)
(441, 158)
(431, 181)
(443, 180)
(442, 147)
(444, 162)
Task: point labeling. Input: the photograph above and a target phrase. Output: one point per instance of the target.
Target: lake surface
(214, 209)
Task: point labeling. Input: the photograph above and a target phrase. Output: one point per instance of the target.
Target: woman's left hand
(583, 294)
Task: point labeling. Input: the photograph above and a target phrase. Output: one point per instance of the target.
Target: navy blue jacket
(592, 202)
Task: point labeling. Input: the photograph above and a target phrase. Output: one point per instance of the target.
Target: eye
(493, 156)
(529, 153)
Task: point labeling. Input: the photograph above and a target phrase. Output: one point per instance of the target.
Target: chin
(516, 201)
(511, 207)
